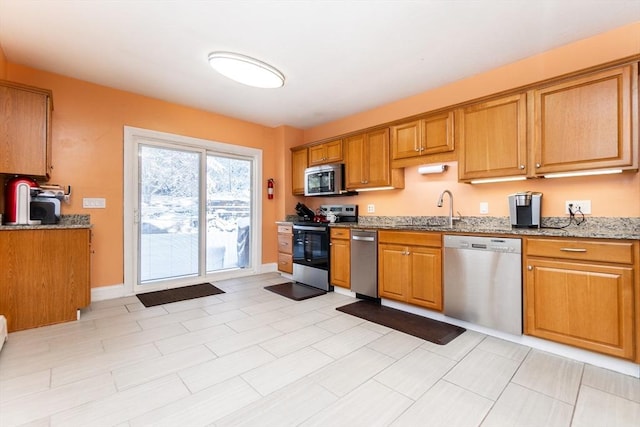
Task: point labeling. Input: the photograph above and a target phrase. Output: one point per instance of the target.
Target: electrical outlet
(484, 207)
(583, 205)
(94, 202)
(371, 208)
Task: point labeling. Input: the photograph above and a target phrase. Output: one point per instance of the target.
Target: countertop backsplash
(592, 227)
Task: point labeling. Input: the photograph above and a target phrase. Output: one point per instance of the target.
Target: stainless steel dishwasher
(483, 281)
(364, 262)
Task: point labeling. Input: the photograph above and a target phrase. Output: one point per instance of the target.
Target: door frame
(133, 136)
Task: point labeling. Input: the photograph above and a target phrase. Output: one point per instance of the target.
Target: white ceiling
(339, 57)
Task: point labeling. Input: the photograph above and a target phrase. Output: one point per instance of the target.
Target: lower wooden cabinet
(581, 293)
(340, 257)
(44, 276)
(285, 248)
(410, 267)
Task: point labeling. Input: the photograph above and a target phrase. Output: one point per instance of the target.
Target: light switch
(484, 207)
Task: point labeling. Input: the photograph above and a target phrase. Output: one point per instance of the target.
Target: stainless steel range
(311, 245)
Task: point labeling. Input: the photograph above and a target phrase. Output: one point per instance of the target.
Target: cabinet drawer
(587, 250)
(284, 243)
(285, 263)
(410, 238)
(340, 233)
(285, 229)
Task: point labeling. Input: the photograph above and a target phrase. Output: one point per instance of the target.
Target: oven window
(311, 248)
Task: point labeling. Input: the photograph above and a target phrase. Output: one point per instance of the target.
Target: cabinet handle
(416, 149)
(529, 268)
(522, 167)
(538, 165)
(573, 250)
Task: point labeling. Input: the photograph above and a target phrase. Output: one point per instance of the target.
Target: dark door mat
(295, 291)
(167, 296)
(422, 327)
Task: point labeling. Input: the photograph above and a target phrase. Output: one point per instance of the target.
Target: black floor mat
(295, 291)
(167, 296)
(422, 327)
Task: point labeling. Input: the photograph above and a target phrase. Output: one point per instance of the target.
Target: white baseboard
(607, 362)
(107, 292)
(118, 291)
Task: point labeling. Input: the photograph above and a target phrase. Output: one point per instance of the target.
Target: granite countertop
(594, 228)
(66, 222)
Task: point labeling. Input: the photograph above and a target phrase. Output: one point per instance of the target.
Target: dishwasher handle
(364, 238)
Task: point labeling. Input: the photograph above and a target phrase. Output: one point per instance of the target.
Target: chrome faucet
(441, 201)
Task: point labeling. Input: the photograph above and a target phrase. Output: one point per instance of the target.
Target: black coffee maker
(524, 209)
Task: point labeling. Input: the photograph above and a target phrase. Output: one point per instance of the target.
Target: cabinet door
(379, 155)
(25, 116)
(587, 123)
(340, 270)
(406, 140)
(328, 152)
(356, 161)
(581, 304)
(437, 133)
(44, 276)
(393, 271)
(492, 138)
(425, 287)
(298, 165)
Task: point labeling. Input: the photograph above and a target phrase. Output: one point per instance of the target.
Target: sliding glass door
(192, 213)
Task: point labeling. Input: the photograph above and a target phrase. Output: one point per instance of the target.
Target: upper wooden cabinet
(429, 135)
(586, 123)
(298, 165)
(368, 162)
(582, 123)
(327, 152)
(491, 137)
(25, 130)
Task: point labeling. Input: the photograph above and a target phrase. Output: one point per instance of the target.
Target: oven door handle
(309, 228)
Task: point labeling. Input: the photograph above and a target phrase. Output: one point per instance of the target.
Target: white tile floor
(251, 357)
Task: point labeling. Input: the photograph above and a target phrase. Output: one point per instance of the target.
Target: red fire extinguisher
(270, 188)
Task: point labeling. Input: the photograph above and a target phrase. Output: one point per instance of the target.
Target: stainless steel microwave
(324, 180)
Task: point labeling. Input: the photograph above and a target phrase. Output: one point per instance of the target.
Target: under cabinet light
(504, 179)
(374, 189)
(246, 70)
(582, 173)
(429, 169)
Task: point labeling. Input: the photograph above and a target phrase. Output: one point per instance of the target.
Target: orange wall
(614, 196)
(87, 144)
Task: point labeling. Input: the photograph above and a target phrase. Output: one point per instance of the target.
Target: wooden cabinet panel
(408, 269)
(583, 250)
(581, 292)
(327, 152)
(44, 276)
(368, 162)
(285, 248)
(340, 258)
(584, 305)
(426, 278)
(492, 138)
(299, 163)
(25, 130)
(587, 122)
(429, 135)
(393, 271)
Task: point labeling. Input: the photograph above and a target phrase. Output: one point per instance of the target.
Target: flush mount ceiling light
(246, 70)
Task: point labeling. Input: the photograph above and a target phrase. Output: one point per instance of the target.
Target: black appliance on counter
(311, 244)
